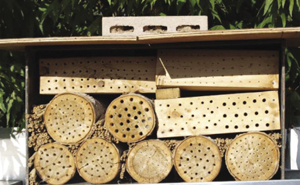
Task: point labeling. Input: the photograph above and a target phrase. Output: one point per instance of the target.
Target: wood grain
(197, 159)
(212, 70)
(168, 93)
(252, 156)
(149, 161)
(218, 114)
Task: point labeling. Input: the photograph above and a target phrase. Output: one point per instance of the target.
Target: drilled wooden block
(218, 114)
(152, 25)
(54, 163)
(197, 159)
(218, 70)
(252, 156)
(98, 75)
(98, 161)
(69, 117)
(130, 118)
(149, 161)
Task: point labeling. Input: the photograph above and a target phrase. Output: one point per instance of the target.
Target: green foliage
(43, 18)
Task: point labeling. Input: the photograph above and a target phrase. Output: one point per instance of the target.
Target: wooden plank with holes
(218, 70)
(98, 75)
(218, 114)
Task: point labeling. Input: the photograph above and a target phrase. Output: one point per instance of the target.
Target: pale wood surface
(150, 161)
(218, 70)
(216, 35)
(252, 156)
(54, 163)
(218, 114)
(69, 117)
(168, 93)
(197, 159)
(98, 75)
(130, 118)
(98, 161)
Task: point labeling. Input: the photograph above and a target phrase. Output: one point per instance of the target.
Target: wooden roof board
(289, 34)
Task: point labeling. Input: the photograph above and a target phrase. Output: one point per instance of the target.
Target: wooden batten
(217, 70)
(98, 161)
(130, 118)
(69, 117)
(218, 114)
(168, 93)
(150, 161)
(252, 156)
(98, 75)
(197, 159)
(54, 163)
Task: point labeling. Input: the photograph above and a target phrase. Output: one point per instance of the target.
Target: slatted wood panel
(252, 156)
(218, 70)
(218, 114)
(98, 75)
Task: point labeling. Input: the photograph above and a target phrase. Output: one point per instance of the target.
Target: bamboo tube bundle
(98, 161)
(197, 159)
(54, 163)
(130, 118)
(149, 161)
(69, 117)
(252, 156)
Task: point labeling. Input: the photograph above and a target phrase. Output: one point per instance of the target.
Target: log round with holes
(130, 118)
(97, 161)
(197, 159)
(252, 156)
(54, 163)
(150, 161)
(69, 117)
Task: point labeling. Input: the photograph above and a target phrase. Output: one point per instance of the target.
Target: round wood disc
(130, 118)
(149, 161)
(97, 161)
(69, 118)
(252, 156)
(197, 159)
(54, 163)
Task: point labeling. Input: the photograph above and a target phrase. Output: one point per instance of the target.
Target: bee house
(170, 108)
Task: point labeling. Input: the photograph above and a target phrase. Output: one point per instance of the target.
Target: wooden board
(197, 159)
(252, 156)
(149, 161)
(98, 75)
(54, 163)
(218, 70)
(97, 161)
(130, 118)
(69, 117)
(217, 114)
(168, 93)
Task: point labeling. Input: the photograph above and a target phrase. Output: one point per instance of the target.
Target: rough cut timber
(218, 114)
(151, 25)
(98, 75)
(252, 156)
(54, 163)
(130, 118)
(149, 161)
(69, 117)
(197, 159)
(168, 93)
(217, 70)
(98, 161)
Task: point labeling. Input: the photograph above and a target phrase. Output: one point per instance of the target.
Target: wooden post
(252, 156)
(149, 161)
(197, 159)
(130, 118)
(98, 161)
(69, 117)
(54, 163)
